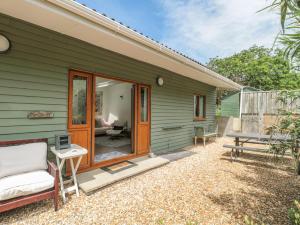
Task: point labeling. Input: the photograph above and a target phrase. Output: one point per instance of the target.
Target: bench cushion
(25, 184)
(23, 158)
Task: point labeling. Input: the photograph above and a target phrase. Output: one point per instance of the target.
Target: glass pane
(196, 106)
(201, 106)
(144, 104)
(199, 102)
(79, 101)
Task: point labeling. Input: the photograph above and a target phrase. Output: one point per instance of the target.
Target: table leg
(76, 167)
(78, 163)
(74, 177)
(60, 166)
(237, 141)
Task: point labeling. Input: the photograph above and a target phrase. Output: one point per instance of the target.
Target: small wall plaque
(40, 115)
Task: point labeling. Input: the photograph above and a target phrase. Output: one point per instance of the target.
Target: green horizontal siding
(34, 77)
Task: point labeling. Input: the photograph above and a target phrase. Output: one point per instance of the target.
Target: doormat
(115, 168)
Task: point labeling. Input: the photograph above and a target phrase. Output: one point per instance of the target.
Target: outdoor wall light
(160, 81)
(4, 44)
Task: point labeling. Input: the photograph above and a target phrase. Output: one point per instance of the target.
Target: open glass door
(114, 120)
(79, 113)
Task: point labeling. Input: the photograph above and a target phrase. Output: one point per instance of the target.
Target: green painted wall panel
(34, 77)
(5, 114)
(33, 86)
(36, 100)
(32, 106)
(27, 78)
(13, 122)
(24, 69)
(31, 93)
(230, 105)
(32, 128)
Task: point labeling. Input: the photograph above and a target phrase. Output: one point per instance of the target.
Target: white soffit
(75, 20)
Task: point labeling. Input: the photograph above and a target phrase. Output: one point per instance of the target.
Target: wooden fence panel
(260, 108)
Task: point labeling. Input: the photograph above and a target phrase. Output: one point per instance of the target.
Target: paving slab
(99, 178)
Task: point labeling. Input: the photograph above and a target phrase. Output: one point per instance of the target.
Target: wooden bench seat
(242, 148)
(246, 148)
(254, 142)
(259, 142)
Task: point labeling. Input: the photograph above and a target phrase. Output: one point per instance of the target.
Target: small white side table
(75, 151)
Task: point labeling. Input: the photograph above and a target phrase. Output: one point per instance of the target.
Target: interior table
(75, 151)
(115, 134)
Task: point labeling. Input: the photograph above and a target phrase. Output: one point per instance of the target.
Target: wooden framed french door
(80, 113)
(81, 117)
(143, 119)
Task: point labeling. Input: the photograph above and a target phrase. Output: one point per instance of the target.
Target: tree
(258, 67)
(290, 23)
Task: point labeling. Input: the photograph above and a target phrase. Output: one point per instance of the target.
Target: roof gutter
(97, 18)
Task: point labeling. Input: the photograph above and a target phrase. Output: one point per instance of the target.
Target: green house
(65, 68)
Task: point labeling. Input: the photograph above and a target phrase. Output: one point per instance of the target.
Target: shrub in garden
(288, 123)
(294, 214)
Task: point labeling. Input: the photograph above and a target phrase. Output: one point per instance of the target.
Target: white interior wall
(115, 107)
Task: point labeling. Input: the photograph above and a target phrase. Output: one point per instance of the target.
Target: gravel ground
(204, 188)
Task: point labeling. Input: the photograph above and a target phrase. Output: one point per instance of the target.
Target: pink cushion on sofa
(105, 124)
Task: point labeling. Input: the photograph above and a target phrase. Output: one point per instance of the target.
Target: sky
(201, 29)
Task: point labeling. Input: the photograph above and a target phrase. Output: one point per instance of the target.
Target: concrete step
(98, 178)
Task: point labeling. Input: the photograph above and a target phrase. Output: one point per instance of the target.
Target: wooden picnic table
(253, 138)
(257, 136)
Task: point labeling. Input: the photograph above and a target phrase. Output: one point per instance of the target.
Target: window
(199, 107)
(79, 100)
(144, 104)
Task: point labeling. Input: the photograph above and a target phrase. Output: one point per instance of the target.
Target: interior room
(113, 119)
